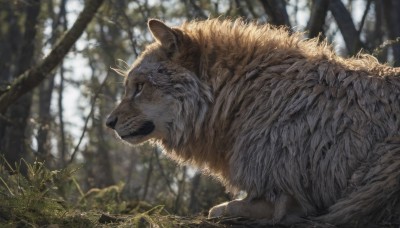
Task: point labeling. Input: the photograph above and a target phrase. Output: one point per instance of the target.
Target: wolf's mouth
(145, 129)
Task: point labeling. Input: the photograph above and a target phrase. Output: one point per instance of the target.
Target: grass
(44, 198)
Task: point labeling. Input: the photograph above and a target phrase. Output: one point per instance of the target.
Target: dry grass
(42, 198)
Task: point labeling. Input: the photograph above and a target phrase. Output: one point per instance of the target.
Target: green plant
(34, 199)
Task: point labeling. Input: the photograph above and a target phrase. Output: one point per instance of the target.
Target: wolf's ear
(167, 36)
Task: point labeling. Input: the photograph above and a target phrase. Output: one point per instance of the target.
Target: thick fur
(272, 114)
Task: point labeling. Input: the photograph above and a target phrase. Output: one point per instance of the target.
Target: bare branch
(95, 96)
(161, 169)
(251, 9)
(128, 29)
(34, 76)
(346, 25)
(377, 51)
(364, 16)
(181, 190)
(148, 175)
(197, 10)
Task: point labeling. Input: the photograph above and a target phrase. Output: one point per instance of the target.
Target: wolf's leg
(284, 210)
(259, 208)
(375, 190)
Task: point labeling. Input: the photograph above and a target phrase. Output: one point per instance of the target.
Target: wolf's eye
(139, 87)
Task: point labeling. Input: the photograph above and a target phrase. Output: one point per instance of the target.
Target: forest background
(57, 88)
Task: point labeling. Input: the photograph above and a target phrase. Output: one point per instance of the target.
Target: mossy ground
(44, 198)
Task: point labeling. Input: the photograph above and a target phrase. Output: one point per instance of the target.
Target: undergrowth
(44, 198)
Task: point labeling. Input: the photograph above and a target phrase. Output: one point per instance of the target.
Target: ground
(44, 198)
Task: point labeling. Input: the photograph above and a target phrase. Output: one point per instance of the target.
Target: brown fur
(303, 131)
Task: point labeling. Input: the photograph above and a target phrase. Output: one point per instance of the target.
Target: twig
(364, 16)
(148, 175)
(129, 28)
(161, 169)
(88, 118)
(5, 185)
(78, 187)
(181, 189)
(385, 44)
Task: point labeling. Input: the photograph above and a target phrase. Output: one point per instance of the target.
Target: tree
(22, 54)
(31, 78)
(58, 25)
(12, 132)
(392, 18)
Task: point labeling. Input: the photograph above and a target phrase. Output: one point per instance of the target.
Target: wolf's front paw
(218, 211)
(243, 208)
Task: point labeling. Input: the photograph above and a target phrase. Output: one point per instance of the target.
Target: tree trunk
(102, 148)
(194, 206)
(46, 88)
(391, 10)
(9, 45)
(276, 11)
(62, 144)
(346, 26)
(14, 141)
(181, 191)
(45, 119)
(317, 18)
(34, 76)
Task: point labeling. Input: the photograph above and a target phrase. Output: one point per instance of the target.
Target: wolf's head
(164, 98)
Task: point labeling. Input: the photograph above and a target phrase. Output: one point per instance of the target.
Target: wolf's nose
(111, 121)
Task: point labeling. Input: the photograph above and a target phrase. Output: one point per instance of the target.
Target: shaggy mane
(242, 41)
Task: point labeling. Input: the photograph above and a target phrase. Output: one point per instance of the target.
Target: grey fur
(280, 116)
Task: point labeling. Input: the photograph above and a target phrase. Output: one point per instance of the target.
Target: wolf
(305, 133)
